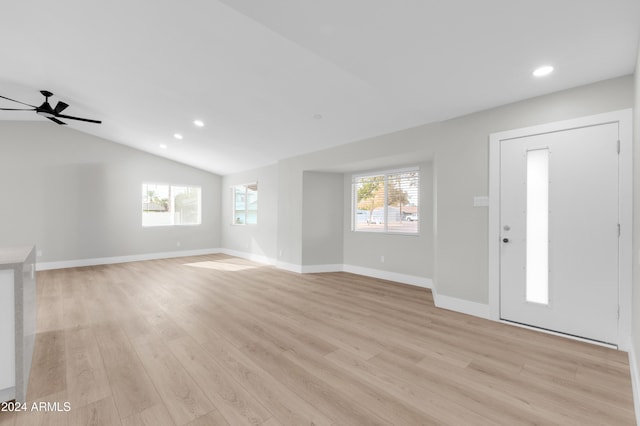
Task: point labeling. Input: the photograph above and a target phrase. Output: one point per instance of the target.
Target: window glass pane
(186, 205)
(165, 205)
(155, 205)
(240, 217)
(369, 203)
(537, 216)
(402, 202)
(239, 205)
(252, 204)
(386, 203)
(245, 204)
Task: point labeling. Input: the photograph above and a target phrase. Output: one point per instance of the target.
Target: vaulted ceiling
(273, 79)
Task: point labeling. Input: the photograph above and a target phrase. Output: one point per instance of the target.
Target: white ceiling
(257, 72)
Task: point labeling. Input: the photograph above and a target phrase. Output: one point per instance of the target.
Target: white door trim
(624, 118)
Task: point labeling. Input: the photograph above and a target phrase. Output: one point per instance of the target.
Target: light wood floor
(218, 340)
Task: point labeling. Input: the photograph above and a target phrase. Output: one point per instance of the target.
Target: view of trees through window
(166, 205)
(386, 202)
(245, 204)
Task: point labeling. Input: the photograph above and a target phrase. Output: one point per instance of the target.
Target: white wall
(253, 241)
(289, 238)
(635, 330)
(462, 172)
(76, 196)
(385, 151)
(459, 149)
(322, 218)
(403, 254)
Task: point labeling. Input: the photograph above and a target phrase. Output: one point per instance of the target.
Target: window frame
(171, 209)
(385, 174)
(246, 204)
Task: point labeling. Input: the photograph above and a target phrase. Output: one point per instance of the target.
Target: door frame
(625, 200)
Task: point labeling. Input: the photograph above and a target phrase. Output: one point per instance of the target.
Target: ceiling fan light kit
(45, 110)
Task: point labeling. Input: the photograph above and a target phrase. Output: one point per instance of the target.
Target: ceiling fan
(47, 111)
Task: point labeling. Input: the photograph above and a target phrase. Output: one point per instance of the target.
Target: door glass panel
(537, 254)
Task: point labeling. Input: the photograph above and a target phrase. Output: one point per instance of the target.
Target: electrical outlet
(39, 253)
(382, 259)
(178, 244)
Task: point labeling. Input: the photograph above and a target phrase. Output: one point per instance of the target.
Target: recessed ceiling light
(318, 116)
(542, 71)
(198, 123)
(177, 136)
(163, 146)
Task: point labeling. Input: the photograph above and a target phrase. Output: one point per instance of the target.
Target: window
(537, 226)
(245, 204)
(166, 205)
(386, 202)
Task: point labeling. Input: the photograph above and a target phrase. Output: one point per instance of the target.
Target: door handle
(505, 240)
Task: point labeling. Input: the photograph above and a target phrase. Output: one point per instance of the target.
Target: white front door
(559, 260)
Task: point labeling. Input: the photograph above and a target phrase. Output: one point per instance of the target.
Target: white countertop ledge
(12, 256)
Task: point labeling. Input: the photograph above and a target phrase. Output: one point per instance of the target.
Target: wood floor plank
(158, 415)
(102, 412)
(195, 325)
(49, 313)
(48, 371)
(469, 388)
(233, 401)
(553, 394)
(213, 418)
(430, 400)
(527, 395)
(287, 407)
(207, 340)
(620, 398)
(75, 314)
(86, 377)
(180, 393)
(377, 399)
(7, 418)
(136, 327)
(272, 422)
(334, 403)
(131, 387)
(165, 327)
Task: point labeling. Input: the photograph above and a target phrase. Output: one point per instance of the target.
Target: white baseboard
(635, 378)
(122, 259)
(7, 394)
(391, 276)
(460, 305)
(358, 270)
(315, 269)
(291, 267)
(250, 256)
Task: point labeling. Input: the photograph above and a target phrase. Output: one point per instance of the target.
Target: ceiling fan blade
(13, 100)
(79, 119)
(55, 120)
(16, 109)
(61, 106)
